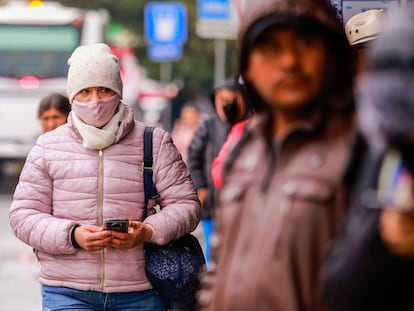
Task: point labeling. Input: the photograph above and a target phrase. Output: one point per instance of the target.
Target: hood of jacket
(262, 14)
(233, 84)
(237, 85)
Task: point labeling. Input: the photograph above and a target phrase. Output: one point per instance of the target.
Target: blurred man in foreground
(283, 199)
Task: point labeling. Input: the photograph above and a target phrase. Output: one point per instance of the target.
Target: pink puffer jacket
(63, 184)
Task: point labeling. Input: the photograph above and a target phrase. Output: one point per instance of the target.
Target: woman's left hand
(397, 231)
(138, 233)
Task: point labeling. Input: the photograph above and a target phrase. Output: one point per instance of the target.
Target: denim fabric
(63, 298)
(208, 229)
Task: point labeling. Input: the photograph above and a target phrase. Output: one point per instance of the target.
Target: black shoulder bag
(173, 268)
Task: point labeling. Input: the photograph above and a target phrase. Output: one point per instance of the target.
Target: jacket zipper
(286, 202)
(100, 215)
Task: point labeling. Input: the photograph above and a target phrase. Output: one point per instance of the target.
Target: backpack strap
(150, 191)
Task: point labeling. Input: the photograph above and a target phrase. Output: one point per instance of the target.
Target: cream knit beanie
(93, 65)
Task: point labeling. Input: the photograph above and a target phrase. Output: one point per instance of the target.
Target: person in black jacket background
(371, 265)
(230, 104)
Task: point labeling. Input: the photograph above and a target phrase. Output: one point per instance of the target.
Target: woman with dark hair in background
(53, 111)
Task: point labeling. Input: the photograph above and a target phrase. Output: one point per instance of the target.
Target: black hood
(231, 84)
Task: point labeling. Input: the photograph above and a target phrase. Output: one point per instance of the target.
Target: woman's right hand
(92, 238)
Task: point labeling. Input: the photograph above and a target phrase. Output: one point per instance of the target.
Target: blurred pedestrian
(53, 111)
(230, 107)
(88, 171)
(185, 127)
(371, 266)
(236, 132)
(282, 198)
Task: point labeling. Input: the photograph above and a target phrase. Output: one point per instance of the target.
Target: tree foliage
(195, 69)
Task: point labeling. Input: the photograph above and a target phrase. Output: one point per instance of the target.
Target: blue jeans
(63, 298)
(208, 229)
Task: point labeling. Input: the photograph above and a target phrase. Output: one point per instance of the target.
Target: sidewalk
(20, 289)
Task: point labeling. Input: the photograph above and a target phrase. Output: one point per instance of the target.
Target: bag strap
(150, 191)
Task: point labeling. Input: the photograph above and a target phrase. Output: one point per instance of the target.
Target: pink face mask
(96, 113)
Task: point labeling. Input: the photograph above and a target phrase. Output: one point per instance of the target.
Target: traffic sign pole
(216, 19)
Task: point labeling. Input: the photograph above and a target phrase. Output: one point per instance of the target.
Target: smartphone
(117, 224)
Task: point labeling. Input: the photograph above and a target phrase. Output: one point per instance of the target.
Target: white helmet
(364, 26)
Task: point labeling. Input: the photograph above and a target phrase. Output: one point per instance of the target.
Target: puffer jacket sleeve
(180, 208)
(31, 217)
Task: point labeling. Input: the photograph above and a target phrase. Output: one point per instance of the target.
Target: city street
(20, 289)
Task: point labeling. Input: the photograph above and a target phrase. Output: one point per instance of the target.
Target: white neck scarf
(99, 138)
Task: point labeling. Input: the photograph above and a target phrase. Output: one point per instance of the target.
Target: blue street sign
(165, 52)
(214, 9)
(165, 23)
